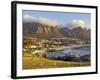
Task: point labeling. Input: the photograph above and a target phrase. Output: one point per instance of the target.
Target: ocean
(75, 51)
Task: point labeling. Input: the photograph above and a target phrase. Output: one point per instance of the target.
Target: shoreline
(71, 46)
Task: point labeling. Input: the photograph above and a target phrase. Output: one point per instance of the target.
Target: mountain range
(41, 30)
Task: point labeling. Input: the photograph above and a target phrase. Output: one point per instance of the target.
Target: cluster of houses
(40, 47)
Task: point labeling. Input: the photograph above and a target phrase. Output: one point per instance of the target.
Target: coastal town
(40, 47)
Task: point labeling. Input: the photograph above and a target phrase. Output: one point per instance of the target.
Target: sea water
(71, 51)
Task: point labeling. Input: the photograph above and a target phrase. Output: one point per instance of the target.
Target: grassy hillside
(30, 62)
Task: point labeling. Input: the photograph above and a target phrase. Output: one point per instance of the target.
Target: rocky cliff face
(39, 30)
(78, 32)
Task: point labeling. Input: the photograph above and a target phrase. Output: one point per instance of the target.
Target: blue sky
(62, 17)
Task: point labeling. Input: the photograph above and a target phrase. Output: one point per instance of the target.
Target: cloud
(78, 23)
(47, 21)
(28, 18)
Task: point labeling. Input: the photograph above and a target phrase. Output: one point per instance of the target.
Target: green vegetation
(30, 62)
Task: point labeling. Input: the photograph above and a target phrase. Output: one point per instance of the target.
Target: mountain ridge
(39, 30)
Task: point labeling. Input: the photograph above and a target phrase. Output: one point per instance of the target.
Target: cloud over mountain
(78, 23)
(46, 28)
(46, 21)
